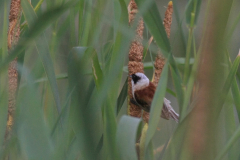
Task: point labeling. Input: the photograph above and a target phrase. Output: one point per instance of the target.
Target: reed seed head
(135, 59)
(13, 37)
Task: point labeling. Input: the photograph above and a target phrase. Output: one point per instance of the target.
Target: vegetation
(72, 88)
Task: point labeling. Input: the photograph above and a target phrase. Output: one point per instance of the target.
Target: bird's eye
(135, 78)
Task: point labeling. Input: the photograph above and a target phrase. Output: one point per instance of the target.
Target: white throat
(141, 84)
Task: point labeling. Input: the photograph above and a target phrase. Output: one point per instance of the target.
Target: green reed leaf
(126, 137)
(156, 107)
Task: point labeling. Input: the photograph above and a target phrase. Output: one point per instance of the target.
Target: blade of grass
(149, 65)
(151, 17)
(115, 68)
(233, 27)
(192, 12)
(111, 80)
(2, 3)
(36, 145)
(38, 27)
(3, 110)
(73, 37)
(230, 78)
(106, 55)
(231, 74)
(126, 137)
(229, 144)
(164, 149)
(97, 72)
(4, 79)
(80, 20)
(24, 24)
(180, 30)
(38, 5)
(110, 128)
(235, 89)
(43, 51)
(117, 16)
(64, 111)
(84, 119)
(122, 96)
(190, 86)
(230, 125)
(87, 24)
(236, 96)
(177, 81)
(21, 62)
(171, 92)
(72, 150)
(100, 145)
(58, 77)
(188, 54)
(143, 142)
(98, 23)
(156, 108)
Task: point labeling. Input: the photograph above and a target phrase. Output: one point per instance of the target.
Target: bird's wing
(168, 112)
(141, 104)
(144, 98)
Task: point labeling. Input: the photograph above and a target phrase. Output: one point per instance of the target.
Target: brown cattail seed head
(160, 60)
(132, 10)
(14, 23)
(135, 59)
(168, 18)
(13, 37)
(159, 64)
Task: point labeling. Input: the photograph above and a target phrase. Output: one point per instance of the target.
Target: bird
(143, 92)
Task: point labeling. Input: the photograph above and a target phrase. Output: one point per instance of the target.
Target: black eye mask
(135, 78)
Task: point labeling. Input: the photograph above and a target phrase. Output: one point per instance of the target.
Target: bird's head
(139, 81)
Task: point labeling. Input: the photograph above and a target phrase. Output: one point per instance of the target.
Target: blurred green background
(73, 57)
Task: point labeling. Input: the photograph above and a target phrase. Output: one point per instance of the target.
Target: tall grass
(72, 60)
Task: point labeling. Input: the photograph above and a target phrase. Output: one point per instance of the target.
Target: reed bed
(65, 90)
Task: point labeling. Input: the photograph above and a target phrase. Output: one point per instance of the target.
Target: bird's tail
(168, 112)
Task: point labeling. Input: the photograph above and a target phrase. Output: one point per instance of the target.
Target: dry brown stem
(135, 58)
(13, 37)
(202, 133)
